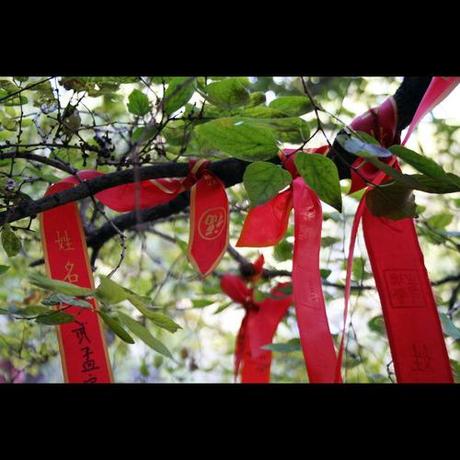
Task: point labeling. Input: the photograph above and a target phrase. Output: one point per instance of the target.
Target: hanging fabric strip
(209, 226)
(257, 329)
(411, 317)
(437, 91)
(410, 312)
(265, 225)
(82, 345)
(315, 336)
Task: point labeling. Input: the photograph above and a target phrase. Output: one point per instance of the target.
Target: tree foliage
(163, 323)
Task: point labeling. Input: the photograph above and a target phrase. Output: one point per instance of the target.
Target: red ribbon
(258, 326)
(265, 225)
(209, 221)
(409, 309)
(437, 91)
(83, 349)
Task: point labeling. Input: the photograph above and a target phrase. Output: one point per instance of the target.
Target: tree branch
(229, 171)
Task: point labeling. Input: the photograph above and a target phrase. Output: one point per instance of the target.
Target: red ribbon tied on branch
(266, 225)
(209, 222)
(83, 350)
(409, 308)
(258, 326)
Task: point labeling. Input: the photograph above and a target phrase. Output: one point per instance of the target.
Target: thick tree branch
(229, 171)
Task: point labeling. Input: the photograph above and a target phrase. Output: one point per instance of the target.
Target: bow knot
(197, 170)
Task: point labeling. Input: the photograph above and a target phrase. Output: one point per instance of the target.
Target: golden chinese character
(213, 223)
(63, 241)
(70, 277)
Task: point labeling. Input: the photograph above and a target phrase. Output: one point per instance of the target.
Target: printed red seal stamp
(212, 223)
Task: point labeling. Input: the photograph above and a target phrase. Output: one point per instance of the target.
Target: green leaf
(288, 347)
(138, 103)
(110, 292)
(11, 243)
(353, 144)
(327, 241)
(262, 111)
(393, 201)
(256, 98)
(30, 310)
(143, 134)
(33, 310)
(222, 307)
(56, 299)
(228, 93)
(144, 334)
(449, 327)
(321, 174)
(419, 162)
(292, 129)
(115, 326)
(58, 286)
(57, 317)
(451, 183)
(441, 220)
(3, 269)
(246, 140)
(163, 321)
(283, 251)
(377, 325)
(437, 182)
(201, 303)
(178, 93)
(325, 273)
(292, 105)
(359, 272)
(263, 181)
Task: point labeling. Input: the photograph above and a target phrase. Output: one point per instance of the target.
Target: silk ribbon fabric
(258, 326)
(409, 309)
(83, 350)
(266, 225)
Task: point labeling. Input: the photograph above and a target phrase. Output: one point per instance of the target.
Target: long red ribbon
(412, 321)
(265, 225)
(83, 350)
(257, 329)
(411, 317)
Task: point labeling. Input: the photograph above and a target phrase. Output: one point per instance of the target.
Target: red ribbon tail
(209, 224)
(438, 90)
(411, 317)
(266, 224)
(240, 346)
(351, 249)
(315, 336)
(82, 344)
(261, 328)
